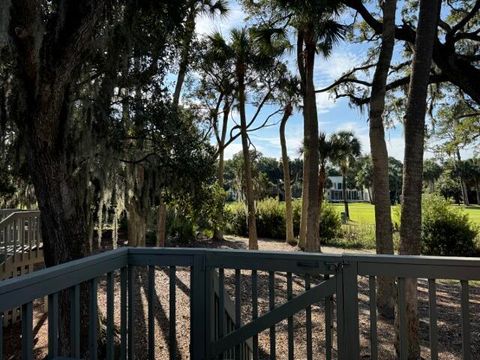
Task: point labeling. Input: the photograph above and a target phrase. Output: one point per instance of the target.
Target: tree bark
(185, 52)
(379, 153)
(286, 177)
(252, 225)
(162, 224)
(218, 231)
(305, 171)
(312, 242)
(414, 124)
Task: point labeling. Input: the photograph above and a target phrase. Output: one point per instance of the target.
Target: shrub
(271, 220)
(446, 230)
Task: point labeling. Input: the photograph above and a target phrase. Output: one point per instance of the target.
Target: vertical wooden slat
(110, 314)
(151, 314)
(328, 324)
(123, 313)
(30, 235)
(255, 311)
(15, 238)
(37, 234)
(197, 303)
(238, 308)
(21, 234)
(131, 312)
(221, 306)
(291, 345)
(53, 325)
(1, 336)
(373, 317)
(403, 319)
(432, 302)
(308, 321)
(92, 326)
(27, 336)
(340, 316)
(75, 321)
(271, 306)
(172, 338)
(466, 335)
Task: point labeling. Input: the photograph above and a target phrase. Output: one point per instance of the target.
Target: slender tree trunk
(414, 123)
(344, 194)
(218, 231)
(378, 146)
(311, 144)
(286, 177)
(185, 53)
(305, 170)
(322, 176)
(252, 225)
(162, 223)
(463, 185)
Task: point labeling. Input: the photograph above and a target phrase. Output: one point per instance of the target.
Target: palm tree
(209, 7)
(431, 173)
(348, 149)
(378, 146)
(414, 125)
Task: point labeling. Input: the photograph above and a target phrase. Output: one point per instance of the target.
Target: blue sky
(332, 115)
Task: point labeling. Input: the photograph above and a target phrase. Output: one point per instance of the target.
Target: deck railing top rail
(334, 275)
(20, 290)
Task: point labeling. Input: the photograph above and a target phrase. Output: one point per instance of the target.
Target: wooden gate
(327, 284)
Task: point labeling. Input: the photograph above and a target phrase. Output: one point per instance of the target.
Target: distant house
(335, 192)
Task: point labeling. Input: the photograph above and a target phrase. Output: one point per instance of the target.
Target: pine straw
(448, 300)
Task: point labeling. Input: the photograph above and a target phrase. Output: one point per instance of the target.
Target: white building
(335, 193)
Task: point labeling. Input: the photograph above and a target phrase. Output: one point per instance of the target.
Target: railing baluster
(238, 308)
(466, 336)
(403, 319)
(221, 304)
(53, 325)
(110, 314)
(75, 321)
(308, 313)
(151, 318)
(328, 325)
(291, 345)
(27, 336)
(255, 311)
(172, 339)
(15, 238)
(373, 317)
(432, 302)
(131, 312)
(271, 306)
(1, 336)
(29, 235)
(21, 233)
(92, 326)
(123, 313)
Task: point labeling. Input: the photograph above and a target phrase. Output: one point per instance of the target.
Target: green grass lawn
(363, 213)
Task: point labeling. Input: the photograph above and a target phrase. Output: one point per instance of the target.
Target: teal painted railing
(221, 279)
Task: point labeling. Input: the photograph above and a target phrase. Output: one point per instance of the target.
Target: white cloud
(232, 149)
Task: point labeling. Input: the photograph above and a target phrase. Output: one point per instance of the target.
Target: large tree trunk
(46, 62)
(252, 225)
(311, 163)
(286, 177)
(414, 123)
(378, 146)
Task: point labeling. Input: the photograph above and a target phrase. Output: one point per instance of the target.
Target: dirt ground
(448, 302)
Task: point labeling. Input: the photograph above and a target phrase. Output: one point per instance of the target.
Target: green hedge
(270, 216)
(446, 230)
